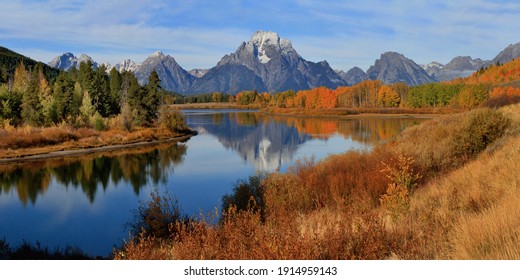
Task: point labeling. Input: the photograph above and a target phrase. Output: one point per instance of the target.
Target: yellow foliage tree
(388, 97)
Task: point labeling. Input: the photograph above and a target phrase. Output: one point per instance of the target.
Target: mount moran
(270, 63)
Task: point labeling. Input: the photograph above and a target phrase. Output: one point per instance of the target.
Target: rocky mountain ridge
(270, 63)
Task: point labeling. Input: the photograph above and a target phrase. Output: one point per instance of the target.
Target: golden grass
(215, 105)
(350, 112)
(473, 211)
(23, 141)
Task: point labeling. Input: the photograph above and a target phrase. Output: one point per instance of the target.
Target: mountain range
(269, 63)
(68, 61)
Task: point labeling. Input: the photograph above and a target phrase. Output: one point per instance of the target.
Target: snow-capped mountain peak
(157, 54)
(127, 65)
(68, 61)
(433, 64)
(261, 40)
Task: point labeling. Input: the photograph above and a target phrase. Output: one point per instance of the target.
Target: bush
(247, 195)
(480, 128)
(447, 142)
(171, 119)
(157, 216)
(127, 117)
(99, 122)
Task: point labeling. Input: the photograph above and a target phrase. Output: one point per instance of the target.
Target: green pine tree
(152, 98)
(115, 91)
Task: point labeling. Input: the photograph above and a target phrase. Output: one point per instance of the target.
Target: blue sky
(198, 33)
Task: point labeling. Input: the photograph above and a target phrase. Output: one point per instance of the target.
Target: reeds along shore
(446, 189)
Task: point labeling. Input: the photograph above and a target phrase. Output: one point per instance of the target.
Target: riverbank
(441, 191)
(330, 113)
(216, 106)
(30, 144)
(360, 112)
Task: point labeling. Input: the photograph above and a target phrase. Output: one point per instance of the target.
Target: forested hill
(9, 60)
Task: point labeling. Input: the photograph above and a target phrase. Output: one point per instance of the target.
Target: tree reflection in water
(90, 172)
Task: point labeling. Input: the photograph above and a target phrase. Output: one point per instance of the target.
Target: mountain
(173, 77)
(352, 76)
(394, 67)
(127, 65)
(68, 60)
(10, 59)
(458, 67)
(272, 64)
(124, 65)
(198, 73)
(229, 78)
(509, 53)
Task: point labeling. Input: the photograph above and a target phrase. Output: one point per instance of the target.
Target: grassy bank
(448, 188)
(216, 106)
(20, 143)
(361, 112)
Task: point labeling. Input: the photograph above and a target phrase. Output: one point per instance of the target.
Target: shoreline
(86, 151)
(341, 113)
(356, 113)
(355, 116)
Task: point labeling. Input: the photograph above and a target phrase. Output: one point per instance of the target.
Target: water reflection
(267, 142)
(89, 173)
(86, 200)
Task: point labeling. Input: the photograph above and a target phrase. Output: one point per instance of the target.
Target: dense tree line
(176, 98)
(80, 97)
(9, 60)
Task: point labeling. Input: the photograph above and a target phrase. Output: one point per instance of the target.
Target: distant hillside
(494, 74)
(515, 84)
(9, 60)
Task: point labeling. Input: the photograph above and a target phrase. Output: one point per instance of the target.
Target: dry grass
(359, 111)
(23, 141)
(214, 105)
(474, 210)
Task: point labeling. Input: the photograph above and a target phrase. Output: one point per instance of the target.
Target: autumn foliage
(494, 74)
(501, 96)
(461, 93)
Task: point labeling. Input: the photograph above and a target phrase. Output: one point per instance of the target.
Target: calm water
(87, 201)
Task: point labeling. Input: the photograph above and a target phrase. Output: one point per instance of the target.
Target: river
(88, 201)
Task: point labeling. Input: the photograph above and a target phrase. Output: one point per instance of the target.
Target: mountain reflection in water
(268, 142)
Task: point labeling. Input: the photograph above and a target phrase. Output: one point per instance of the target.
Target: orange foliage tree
(472, 96)
(501, 96)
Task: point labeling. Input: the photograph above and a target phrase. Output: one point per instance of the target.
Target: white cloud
(198, 34)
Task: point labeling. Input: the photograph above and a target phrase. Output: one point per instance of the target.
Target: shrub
(480, 128)
(402, 172)
(99, 122)
(447, 142)
(54, 135)
(171, 119)
(127, 117)
(156, 216)
(396, 201)
(247, 195)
